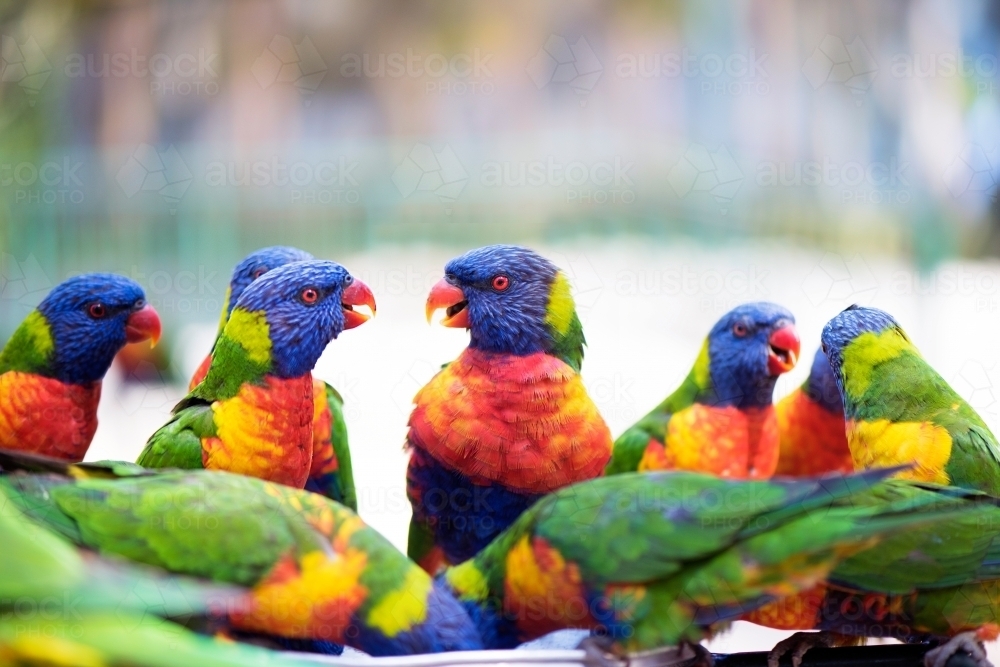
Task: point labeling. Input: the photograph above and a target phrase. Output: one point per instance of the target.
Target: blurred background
(676, 159)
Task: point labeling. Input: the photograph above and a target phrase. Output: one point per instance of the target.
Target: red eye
(97, 310)
(258, 273)
(310, 296)
(500, 283)
(739, 330)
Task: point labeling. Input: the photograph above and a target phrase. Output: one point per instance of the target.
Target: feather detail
(726, 441)
(813, 440)
(46, 416)
(264, 431)
(523, 421)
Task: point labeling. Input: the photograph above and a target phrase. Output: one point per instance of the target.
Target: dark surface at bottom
(897, 655)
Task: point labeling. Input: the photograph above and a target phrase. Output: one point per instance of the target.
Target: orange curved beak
(452, 299)
(143, 324)
(783, 350)
(357, 294)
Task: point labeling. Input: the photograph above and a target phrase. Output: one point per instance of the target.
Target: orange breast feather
(525, 422)
(726, 441)
(46, 416)
(813, 440)
(265, 431)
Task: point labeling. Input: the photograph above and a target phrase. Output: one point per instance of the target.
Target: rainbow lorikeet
(811, 426)
(253, 412)
(509, 420)
(312, 569)
(932, 582)
(647, 560)
(899, 410)
(100, 612)
(721, 419)
(52, 367)
(331, 473)
(663, 558)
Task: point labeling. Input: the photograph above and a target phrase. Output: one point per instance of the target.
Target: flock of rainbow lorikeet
(864, 504)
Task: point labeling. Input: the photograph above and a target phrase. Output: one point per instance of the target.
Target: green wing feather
(338, 437)
(420, 540)
(123, 639)
(704, 549)
(569, 345)
(177, 444)
(112, 608)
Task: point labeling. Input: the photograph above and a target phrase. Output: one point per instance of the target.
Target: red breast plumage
(525, 422)
(47, 416)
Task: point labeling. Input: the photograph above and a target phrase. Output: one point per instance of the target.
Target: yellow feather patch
(702, 367)
(468, 580)
(41, 645)
(559, 313)
(403, 608)
(223, 316)
(881, 444)
(866, 352)
(38, 332)
(251, 331)
(317, 601)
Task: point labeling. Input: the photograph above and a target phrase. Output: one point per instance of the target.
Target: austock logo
(25, 65)
(150, 170)
(24, 282)
(973, 171)
(559, 62)
(850, 65)
(424, 170)
(701, 170)
(283, 61)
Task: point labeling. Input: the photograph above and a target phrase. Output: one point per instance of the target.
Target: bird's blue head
(851, 323)
(747, 349)
(285, 318)
(821, 385)
(87, 320)
(257, 264)
(862, 337)
(512, 300)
